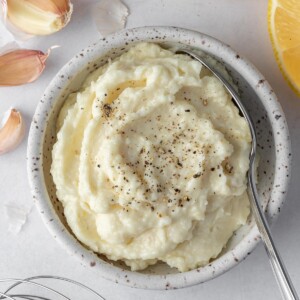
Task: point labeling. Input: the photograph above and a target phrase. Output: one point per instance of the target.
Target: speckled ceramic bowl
(259, 99)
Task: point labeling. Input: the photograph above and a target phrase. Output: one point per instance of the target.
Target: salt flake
(17, 217)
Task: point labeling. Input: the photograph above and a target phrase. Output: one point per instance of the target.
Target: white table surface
(240, 23)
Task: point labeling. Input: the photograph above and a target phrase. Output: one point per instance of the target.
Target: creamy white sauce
(150, 161)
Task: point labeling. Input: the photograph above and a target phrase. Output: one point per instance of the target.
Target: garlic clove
(12, 133)
(21, 66)
(110, 16)
(38, 17)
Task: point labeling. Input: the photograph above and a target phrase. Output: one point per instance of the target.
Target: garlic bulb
(38, 17)
(21, 66)
(12, 133)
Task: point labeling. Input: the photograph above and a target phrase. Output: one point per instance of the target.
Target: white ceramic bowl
(259, 99)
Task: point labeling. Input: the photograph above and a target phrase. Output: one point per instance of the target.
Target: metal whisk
(11, 293)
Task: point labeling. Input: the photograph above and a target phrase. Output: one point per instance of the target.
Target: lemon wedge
(284, 30)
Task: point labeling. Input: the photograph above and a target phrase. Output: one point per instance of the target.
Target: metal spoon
(287, 289)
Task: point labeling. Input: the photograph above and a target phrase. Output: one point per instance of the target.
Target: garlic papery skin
(21, 66)
(12, 133)
(38, 17)
(110, 16)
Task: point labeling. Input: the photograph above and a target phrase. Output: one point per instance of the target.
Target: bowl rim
(36, 137)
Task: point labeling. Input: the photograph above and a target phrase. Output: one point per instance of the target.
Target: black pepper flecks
(107, 110)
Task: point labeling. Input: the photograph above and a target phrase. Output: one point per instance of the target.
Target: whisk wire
(31, 281)
(19, 281)
(29, 297)
(67, 280)
(4, 296)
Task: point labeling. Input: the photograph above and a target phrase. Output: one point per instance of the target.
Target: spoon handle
(286, 286)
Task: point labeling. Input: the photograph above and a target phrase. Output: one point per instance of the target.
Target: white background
(240, 23)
